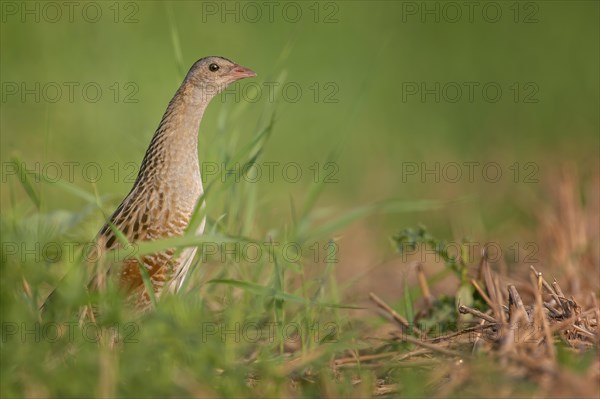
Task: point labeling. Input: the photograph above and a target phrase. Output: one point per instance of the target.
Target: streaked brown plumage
(168, 186)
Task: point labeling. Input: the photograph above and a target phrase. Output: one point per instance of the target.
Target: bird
(166, 191)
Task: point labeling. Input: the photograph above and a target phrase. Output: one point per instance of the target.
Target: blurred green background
(373, 82)
(386, 100)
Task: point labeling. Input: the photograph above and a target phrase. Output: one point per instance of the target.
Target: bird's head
(213, 74)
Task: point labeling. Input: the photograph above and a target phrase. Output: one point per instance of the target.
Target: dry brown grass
(530, 323)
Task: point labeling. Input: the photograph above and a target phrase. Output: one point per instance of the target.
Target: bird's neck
(172, 157)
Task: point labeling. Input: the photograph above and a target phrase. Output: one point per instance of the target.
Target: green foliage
(442, 314)
(413, 239)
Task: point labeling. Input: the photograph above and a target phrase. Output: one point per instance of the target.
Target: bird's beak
(240, 72)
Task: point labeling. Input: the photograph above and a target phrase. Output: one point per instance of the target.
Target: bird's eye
(213, 67)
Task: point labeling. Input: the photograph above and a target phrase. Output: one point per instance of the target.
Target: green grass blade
(270, 292)
(394, 206)
(26, 183)
(175, 41)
